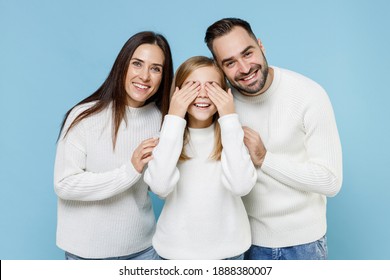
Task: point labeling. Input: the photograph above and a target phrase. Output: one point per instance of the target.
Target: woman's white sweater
(104, 209)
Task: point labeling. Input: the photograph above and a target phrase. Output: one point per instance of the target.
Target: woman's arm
(72, 181)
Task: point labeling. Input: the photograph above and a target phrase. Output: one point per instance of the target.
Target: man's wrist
(260, 162)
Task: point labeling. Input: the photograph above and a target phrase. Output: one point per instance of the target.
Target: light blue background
(54, 53)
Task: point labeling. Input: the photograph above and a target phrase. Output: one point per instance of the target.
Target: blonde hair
(184, 70)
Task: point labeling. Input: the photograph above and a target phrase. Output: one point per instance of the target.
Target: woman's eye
(136, 63)
(157, 69)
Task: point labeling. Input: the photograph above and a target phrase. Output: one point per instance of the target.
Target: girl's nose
(203, 92)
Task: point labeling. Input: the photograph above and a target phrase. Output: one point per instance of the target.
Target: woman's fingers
(143, 153)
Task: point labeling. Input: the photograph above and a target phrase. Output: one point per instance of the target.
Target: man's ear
(261, 46)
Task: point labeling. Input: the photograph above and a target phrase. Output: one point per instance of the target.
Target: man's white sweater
(303, 164)
(203, 216)
(103, 208)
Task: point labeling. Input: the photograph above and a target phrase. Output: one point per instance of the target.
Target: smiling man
(291, 134)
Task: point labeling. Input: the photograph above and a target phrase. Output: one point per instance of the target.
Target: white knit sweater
(303, 164)
(103, 208)
(203, 215)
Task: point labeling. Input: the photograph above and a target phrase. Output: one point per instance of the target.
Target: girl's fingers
(217, 92)
(215, 88)
(223, 100)
(189, 87)
(176, 91)
(213, 93)
(213, 98)
(188, 92)
(229, 91)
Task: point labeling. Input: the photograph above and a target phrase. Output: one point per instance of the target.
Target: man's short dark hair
(223, 27)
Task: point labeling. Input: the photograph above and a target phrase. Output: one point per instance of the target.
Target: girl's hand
(182, 98)
(143, 153)
(222, 100)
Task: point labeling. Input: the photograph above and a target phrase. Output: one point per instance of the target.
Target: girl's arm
(238, 172)
(162, 174)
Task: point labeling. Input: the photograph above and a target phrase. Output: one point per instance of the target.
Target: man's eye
(229, 64)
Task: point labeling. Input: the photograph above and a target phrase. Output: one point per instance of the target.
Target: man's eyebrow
(242, 52)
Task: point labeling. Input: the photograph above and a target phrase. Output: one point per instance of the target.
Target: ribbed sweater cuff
(268, 163)
(173, 125)
(229, 122)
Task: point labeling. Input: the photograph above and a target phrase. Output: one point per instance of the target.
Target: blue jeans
(239, 257)
(316, 250)
(147, 254)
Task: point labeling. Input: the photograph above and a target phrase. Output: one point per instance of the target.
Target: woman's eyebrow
(140, 60)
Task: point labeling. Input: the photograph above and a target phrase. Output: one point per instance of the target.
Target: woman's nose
(144, 74)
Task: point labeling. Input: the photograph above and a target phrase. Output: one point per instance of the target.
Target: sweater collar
(265, 95)
(135, 112)
(202, 132)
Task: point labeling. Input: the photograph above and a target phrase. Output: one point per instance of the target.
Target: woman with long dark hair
(104, 209)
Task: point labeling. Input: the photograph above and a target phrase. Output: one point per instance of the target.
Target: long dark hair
(113, 89)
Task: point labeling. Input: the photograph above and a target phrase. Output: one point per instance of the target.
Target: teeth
(250, 77)
(202, 105)
(140, 86)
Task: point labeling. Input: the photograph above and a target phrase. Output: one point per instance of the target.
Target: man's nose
(244, 67)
